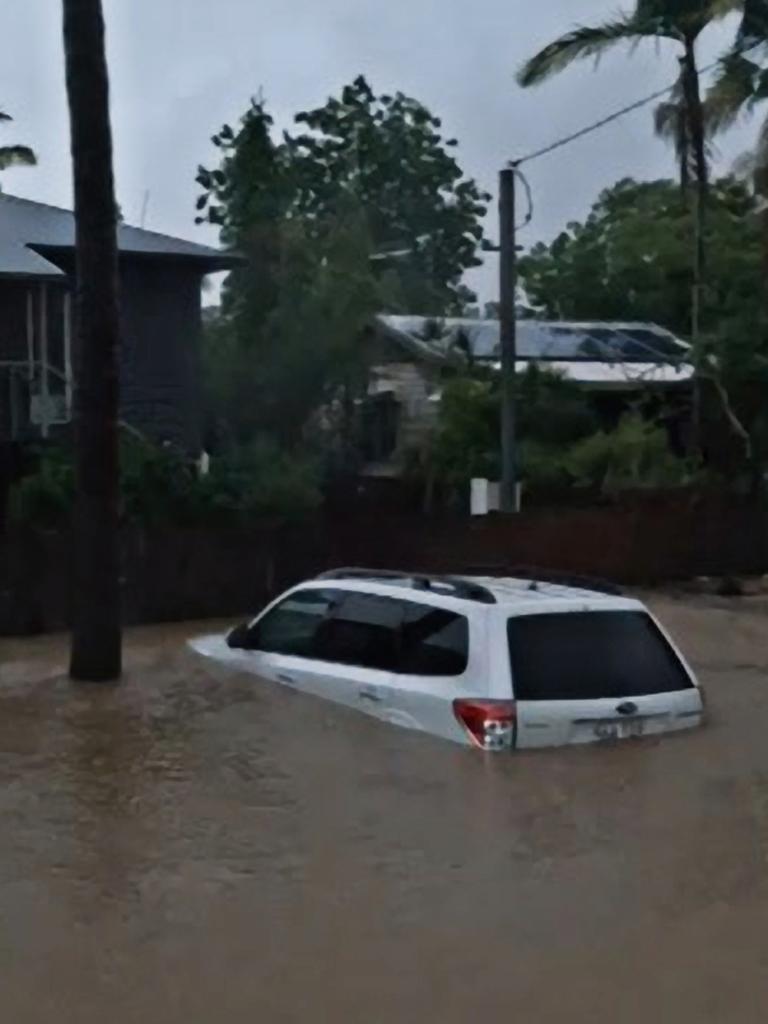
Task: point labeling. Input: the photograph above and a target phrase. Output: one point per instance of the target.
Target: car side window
(363, 630)
(435, 642)
(291, 627)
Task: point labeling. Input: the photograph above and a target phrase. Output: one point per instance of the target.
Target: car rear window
(591, 655)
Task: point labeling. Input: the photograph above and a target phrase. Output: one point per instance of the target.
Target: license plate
(622, 729)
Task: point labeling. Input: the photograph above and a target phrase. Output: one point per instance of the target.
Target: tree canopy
(630, 258)
(383, 154)
(362, 209)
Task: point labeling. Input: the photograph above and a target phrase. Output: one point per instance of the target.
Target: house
(160, 280)
(411, 356)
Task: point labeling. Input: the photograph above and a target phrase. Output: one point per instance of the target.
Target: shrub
(260, 480)
(159, 487)
(634, 455)
(44, 499)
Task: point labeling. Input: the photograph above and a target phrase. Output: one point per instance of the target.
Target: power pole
(508, 316)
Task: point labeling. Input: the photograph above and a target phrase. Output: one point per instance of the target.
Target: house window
(379, 428)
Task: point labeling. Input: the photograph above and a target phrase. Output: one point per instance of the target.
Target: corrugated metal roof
(608, 354)
(596, 341)
(27, 226)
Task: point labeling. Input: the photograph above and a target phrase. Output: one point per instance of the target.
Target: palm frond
(732, 91)
(754, 23)
(685, 18)
(722, 8)
(582, 42)
(760, 174)
(671, 124)
(16, 156)
(4, 116)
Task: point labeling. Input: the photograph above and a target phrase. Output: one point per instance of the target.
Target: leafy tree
(362, 209)
(15, 156)
(268, 372)
(385, 154)
(630, 259)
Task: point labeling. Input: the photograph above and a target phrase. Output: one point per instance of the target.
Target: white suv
(494, 663)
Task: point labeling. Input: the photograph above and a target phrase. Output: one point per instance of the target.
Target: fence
(179, 574)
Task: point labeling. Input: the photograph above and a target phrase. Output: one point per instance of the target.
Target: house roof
(30, 232)
(607, 354)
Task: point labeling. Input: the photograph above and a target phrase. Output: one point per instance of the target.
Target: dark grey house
(161, 280)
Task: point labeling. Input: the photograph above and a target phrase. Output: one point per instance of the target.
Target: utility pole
(508, 317)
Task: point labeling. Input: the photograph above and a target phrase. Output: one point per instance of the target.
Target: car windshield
(591, 655)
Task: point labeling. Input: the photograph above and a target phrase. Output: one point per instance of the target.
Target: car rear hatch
(586, 676)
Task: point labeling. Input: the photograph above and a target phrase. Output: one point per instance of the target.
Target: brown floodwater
(199, 846)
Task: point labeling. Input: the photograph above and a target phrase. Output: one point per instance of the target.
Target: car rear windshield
(591, 655)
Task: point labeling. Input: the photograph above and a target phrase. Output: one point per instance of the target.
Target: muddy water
(197, 846)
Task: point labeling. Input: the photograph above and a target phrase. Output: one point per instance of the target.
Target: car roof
(523, 594)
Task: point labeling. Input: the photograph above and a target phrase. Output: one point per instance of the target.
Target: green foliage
(361, 209)
(552, 413)
(44, 499)
(385, 155)
(561, 445)
(160, 488)
(260, 481)
(269, 379)
(631, 259)
(466, 442)
(633, 456)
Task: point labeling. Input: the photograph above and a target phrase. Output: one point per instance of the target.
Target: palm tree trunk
(96, 633)
(695, 110)
(697, 133)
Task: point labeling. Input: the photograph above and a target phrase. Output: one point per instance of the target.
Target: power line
(617, 114)
(597, 124)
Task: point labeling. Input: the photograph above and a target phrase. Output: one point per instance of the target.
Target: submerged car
(492, 663)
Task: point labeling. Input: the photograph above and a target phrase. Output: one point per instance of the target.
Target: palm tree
(682, 22)
(742, 84)
(15, 156)
(96, 633)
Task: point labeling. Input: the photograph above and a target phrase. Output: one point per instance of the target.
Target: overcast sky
(180, 68)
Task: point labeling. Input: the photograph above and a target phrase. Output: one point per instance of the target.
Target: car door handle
(371, 694)
(283, 678)
(628, 708)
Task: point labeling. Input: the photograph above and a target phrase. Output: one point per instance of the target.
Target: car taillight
(492, 724)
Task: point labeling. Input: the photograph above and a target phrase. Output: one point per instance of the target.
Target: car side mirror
(240, 637)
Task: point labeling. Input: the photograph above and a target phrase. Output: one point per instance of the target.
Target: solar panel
(548, 341)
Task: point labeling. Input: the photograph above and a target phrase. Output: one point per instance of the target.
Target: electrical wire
(544, 151)
(529, 196)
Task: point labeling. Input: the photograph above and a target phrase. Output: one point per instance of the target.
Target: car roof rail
(566, 579)
(458, 587)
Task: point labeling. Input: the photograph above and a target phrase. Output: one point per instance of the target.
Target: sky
(181, 68)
